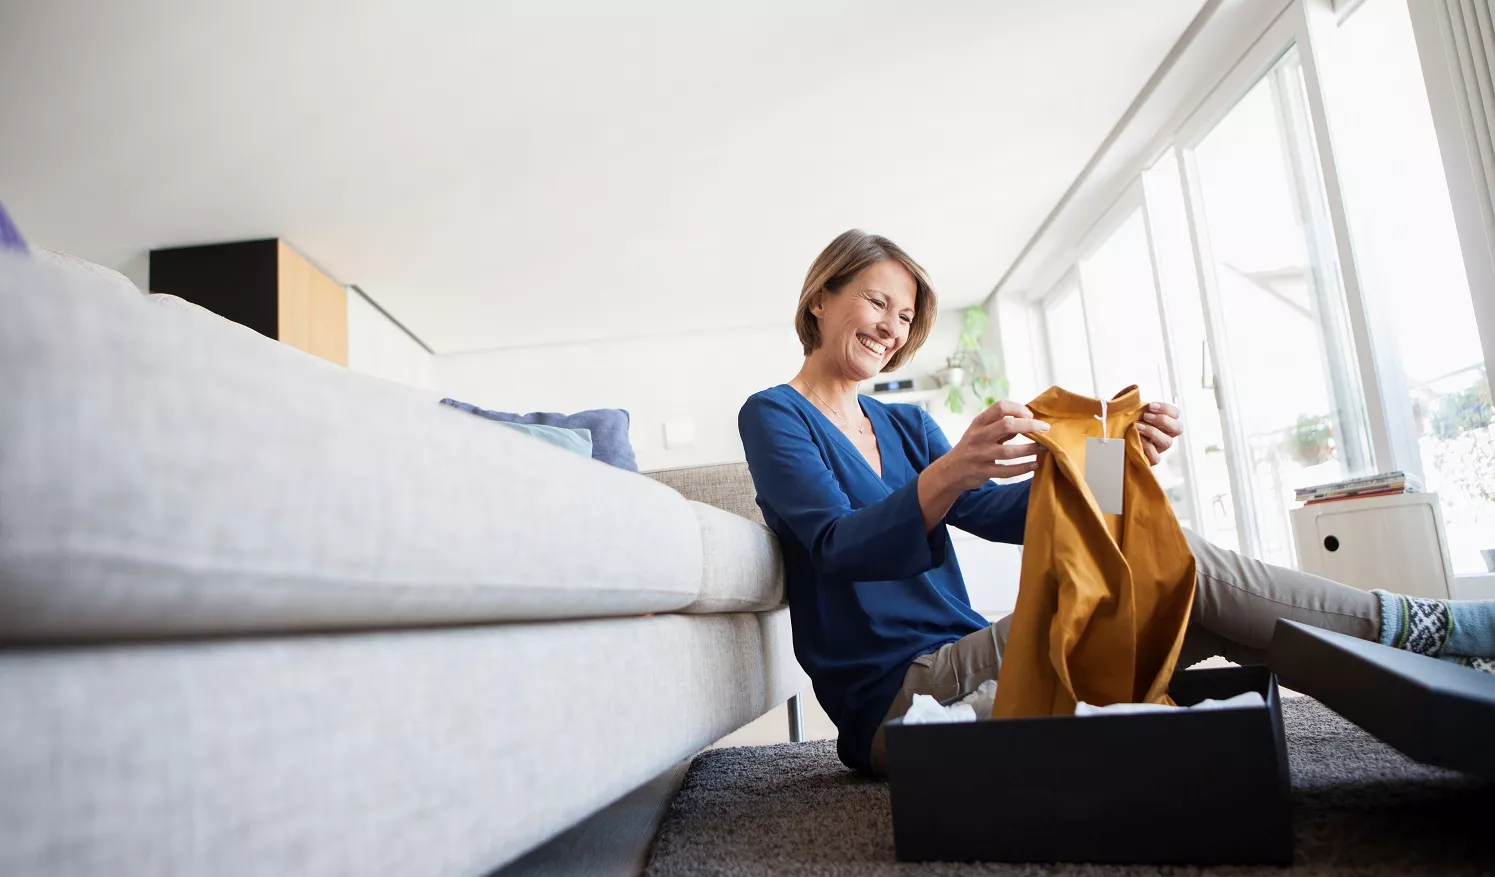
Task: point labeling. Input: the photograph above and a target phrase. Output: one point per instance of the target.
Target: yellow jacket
(1104, 599)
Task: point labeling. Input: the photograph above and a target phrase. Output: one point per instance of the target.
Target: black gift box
(1433, 711)
(1206, 787)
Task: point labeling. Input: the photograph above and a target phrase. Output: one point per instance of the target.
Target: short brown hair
(841, 261)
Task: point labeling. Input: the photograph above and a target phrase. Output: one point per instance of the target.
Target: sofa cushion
(158, 479)
(744, 567)
(727, 486)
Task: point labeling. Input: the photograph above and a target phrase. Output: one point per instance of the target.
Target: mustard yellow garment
(1104, 599)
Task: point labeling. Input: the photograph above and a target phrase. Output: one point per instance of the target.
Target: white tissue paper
(1248, 699)
(925, 710)
(1120, 709)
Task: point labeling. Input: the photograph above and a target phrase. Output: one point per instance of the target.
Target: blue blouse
(868, 589)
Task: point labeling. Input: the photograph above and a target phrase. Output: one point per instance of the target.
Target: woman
(859, 494)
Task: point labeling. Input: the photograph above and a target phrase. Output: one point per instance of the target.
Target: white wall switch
(679, 433)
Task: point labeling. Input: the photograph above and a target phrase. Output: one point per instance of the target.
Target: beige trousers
(1236, 606)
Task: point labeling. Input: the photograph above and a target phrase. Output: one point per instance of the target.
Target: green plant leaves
(973, 323)
(977, 360)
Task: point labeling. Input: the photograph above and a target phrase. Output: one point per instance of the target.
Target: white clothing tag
(1105, 461)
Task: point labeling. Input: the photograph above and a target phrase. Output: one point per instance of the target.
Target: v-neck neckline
(876, 437)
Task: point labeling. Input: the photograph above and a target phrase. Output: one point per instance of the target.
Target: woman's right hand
(987, 451)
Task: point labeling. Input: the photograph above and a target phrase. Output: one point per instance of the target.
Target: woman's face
(864, 324)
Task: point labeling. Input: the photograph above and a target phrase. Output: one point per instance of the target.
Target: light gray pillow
(575, 440)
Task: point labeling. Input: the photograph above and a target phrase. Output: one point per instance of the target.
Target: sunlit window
(1409, 263)
(1285, 342)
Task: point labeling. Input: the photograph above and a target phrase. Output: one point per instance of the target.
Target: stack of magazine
(1370, 485)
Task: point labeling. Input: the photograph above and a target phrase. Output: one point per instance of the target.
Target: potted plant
(954, 372)
(971, 367)
(1311, 440)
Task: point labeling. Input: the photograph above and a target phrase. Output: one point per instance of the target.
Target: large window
(1410, 267)
(1281, 330)
(1301, 296)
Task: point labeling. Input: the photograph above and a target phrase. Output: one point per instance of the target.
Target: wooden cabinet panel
(265, 285)
(293, 274)
(327, 324)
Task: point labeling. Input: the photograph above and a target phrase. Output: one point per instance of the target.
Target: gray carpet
(1360, 808)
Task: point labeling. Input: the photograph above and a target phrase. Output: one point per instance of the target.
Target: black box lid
(1433, 711)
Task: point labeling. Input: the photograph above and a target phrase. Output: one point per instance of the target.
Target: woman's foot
(1462, 631)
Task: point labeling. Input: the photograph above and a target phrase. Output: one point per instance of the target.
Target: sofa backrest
(83, 267)
(728, 486)
(165, 472)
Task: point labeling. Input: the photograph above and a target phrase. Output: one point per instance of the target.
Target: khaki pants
(1236, 605)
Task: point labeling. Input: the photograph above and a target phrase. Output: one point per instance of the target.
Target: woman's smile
(875, 348)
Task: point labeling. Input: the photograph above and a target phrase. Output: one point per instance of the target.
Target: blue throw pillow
(10, 238)
(577, 441)
(608, 426)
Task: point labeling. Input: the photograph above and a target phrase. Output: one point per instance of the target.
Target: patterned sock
(1473, 632)
(1484, 665)
(1464, 628)
(1392, 621)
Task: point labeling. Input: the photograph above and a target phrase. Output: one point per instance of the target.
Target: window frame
(1390, 439)
(1133, 201)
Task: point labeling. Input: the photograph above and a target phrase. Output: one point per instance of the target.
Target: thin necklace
(861, 430)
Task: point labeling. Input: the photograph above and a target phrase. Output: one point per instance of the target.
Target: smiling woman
(860, 494)
(871, 590)
(892, 301)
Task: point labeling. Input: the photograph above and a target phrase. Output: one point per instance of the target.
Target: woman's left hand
(1159, 427)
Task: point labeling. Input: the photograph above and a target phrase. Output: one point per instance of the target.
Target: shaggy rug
(1359, 808)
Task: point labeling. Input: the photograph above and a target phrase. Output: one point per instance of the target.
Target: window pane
(1122, 305)
(1410, 266)
(1204, 436)
(1126, 337)
(1281, 305)
(1069, 349)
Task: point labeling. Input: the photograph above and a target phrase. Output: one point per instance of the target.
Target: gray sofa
(262, 615)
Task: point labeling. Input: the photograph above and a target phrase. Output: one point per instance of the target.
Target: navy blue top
(868, 589)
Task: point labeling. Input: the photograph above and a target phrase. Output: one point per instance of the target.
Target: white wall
(701, 377)
(376, 346)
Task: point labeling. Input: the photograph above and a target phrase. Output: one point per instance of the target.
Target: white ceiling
(497, 174)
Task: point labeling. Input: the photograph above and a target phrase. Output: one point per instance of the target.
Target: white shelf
(909, 395)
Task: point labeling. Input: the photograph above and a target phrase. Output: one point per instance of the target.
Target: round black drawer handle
(1331, 543)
